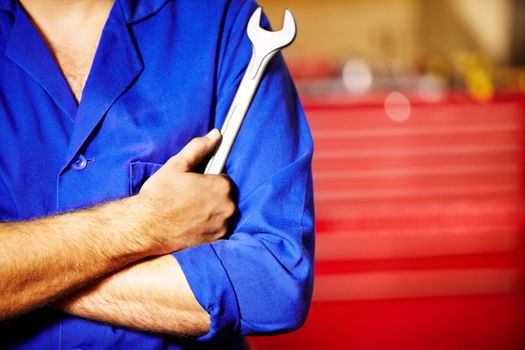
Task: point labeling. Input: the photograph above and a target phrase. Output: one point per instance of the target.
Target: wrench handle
(238, 110)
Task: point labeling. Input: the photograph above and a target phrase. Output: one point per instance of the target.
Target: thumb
(196, 150)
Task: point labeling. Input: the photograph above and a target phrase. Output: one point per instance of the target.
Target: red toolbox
(420, 226)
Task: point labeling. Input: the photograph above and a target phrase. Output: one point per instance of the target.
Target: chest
(140, 105)
(75, 63)
(72, 37)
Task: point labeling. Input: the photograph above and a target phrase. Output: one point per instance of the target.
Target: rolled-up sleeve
(260, 279)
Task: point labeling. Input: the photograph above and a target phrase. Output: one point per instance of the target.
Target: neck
(65, 11)
(59, 20)
(72, 30)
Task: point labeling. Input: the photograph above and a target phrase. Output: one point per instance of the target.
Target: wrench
(265, 45)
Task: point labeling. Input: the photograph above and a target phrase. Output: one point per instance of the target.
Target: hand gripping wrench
(265, 45)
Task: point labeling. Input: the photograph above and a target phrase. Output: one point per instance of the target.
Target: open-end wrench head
(267, 41)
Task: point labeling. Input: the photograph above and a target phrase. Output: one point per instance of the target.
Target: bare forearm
(43, 259)
(151, 296)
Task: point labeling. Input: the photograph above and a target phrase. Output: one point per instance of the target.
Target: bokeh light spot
(357, 76)
(397, 107)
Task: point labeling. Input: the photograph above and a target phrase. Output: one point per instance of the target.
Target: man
(95, 96)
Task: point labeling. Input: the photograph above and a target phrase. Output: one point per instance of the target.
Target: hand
(185, 209)
(174, 210)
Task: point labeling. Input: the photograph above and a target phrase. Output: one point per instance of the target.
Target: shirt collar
(134, 10)
(8, 5)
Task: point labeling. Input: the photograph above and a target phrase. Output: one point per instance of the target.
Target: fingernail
(214, 134)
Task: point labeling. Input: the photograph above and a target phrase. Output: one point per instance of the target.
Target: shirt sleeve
(260, 279)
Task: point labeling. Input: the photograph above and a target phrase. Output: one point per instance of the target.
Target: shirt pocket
(139, 172)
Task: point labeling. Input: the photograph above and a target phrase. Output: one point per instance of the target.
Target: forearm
(151, 296)
(43, 259)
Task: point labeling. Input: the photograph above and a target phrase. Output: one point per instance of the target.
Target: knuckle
(199, 142)
(218, 183)
(231, 209)
(222, 232)
(181, 160)
(226, 184)
(172, 161)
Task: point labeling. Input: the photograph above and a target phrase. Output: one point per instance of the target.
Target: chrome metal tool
(265, 44)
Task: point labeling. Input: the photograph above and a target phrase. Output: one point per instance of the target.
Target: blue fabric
(164, 72)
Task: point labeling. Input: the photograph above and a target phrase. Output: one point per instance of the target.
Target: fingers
(196, 150)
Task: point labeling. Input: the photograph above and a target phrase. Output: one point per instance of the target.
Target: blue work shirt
(164, 73)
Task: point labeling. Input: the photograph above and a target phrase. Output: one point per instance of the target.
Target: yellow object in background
(479, 84)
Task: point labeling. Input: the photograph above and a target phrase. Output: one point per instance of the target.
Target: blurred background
(417, 109)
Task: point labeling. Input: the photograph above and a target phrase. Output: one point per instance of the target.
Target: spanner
(265, 45)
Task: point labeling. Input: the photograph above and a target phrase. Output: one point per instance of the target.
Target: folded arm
(260, 279)
(45, 259)
(151, 296)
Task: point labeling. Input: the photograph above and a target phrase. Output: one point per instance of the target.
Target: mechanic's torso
(144, 100)
(151, 89)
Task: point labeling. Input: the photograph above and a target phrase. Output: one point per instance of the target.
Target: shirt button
(80, 163)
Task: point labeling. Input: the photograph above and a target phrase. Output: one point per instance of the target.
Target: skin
(121, 251)
(71, 30)
(154, 295)
(116, 267)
